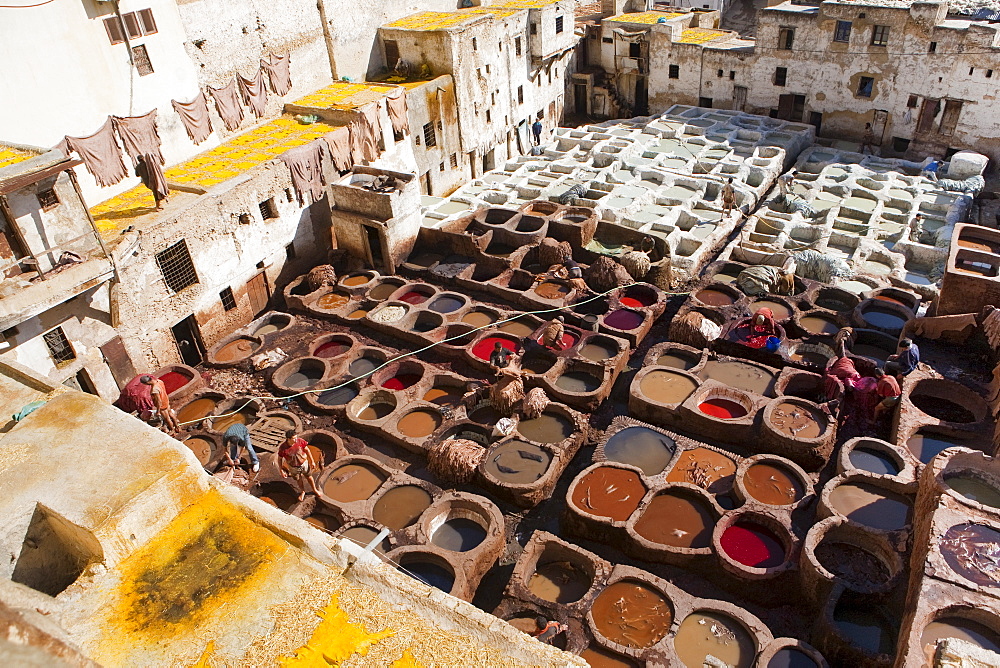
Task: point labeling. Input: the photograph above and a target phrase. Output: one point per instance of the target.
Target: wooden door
(739, 97)
(117, 359)
(878, 125)
(259, 292)
(928, 112)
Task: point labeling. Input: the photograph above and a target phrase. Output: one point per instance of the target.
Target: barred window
(228, 299)
(268, 210)
(176, 266)
(59, 346)
(48, 199)
(141, 57)
(559, 24)
(429, 138)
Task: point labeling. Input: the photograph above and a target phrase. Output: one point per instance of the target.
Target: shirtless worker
(295, 459)
(552, 335)
(728, 198)
(161, 401)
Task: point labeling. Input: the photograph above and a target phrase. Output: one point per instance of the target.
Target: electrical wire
(26, 6)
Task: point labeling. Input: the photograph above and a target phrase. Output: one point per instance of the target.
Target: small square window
(732, 75)
(911, 102)
(880, 35)
(114, 28)
(607, 40)
(441, 168)
(245, 219)
(430, 139)
(517, 46)
(141, 58)
(146, 21)
(842, 33)
(786, 37)
(454, 160)
(865, 87)
(59, 346)
(176, 266)
(559, 24)
(719, 74)
(674, 72)
(268, 210)
(228, 299)
(780, 76)
(932, 47)
(534, 29)
(48, 199)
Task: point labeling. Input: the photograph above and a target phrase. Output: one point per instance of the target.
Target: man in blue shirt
(931, 170)
(536, 130)
(236, 437)
(905, 361)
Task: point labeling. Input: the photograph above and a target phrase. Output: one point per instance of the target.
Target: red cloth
(135, 397)
(287, 451)
(887, 387)
(765, 328)
(843, 369)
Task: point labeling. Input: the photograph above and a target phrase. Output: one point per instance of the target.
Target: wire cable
(39, 4)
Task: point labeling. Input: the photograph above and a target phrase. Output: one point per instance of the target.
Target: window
(441, 168)
(429, 137)
(911, 102)
(488, 118)
(487, 68)
(227, 298)
(48, 199)
(705, 102)
(59, 347)
(842, 33)
(245, 219)
(732, 75)
(786, 37)
(176, 266)
(719, 74)
(141, 58)
(454, 160)
(534, 29)
(880, 35)
(520, 94)
(114, 28)
(268, 211)
(634, 50)
(900, 144)
(559, 24)
(932, 47)
(132, 25)
(865, 86)
(136, 24)
(146, 21)
(607, 40)
(290, 253)
(391, 53)
(780, 76)
(971, 70)
(475, 44)
(674, 72)
(517, 46)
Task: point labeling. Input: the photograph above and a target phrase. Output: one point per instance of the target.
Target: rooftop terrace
(650, 17)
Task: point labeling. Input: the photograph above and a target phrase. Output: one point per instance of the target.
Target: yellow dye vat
(334, 641)
(701, 35)
(11, 156)
(648, 18)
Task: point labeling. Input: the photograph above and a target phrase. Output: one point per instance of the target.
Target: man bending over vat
(236, 437)
(763, 279)
(905, 361)
(546, 631)
(888, 391)
(552, 335)
(158, 392)
(295, 459)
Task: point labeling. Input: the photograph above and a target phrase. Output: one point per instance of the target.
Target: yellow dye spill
(335, 640)
(701, 35)
(644, 17)
(209, 556)
(499, 12)
(525, 4)
(431, 21)
(11, 156)
(203, 659)
(406, 661)
(108, 215)
(344, 95)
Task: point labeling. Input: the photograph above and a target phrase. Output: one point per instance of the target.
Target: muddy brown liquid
(196, 410)
(926, 447)
(712, 633)
(871, 506)
(677, 361)
(856, 566)
(667, 387)
(235, 350)
(578, 382)
(974, 489)
(773, 485)
(419, 424)
(970, 550)
(266, 329)
(714, 297)
(957, 627)
(518, 463)
(643, 447)
(376, 411)
(360, 313)
(477, 318)
(598, 352)
(546, 428)
(708, 469)
(354, 281)
(632, 614)
(332, 301)
(598, 657)
(202, 449)
(459, 534)
(815, 324)
(609, 492)
(677, 520)
(979, 244)
(353, 482)
(224, 423)
(780, 311)
(363, 535)
(799, 421)
(381, 292)
(401, 506)
(443, 396)
(559, 582)
(517, 328)
(739, 375)
(323, 522)
(551, 290)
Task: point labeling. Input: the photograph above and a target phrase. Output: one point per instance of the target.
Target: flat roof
(11, 156)
(345, 95)
(650, 17)
(433, 21)
(525, 4)
(703, 35)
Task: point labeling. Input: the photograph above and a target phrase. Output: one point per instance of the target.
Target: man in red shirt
(546, 631)
(888, 389)
(158, 392)
(295, 459)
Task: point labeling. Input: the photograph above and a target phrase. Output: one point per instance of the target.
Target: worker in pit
(905, 361)
(785, 182)
(764, 279)
(295, 459)
(552, 335)
(887, 389)
(728, 198)
(568, 271)
(546, 631)
(500, 356)
(161, 402)
(236, 437)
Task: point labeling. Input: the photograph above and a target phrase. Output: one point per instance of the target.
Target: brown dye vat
(266, 329)
(714, 297)
(383, 291)
(517, 328)
(354, 281)
(459, 534)
(871, 506)
(376, 411)
(477, 319)
(443, 395)
(551, 290)
(419, 424)
(598, 351)
(224, 423)
(598, 657)
(196, 410)
(970, 549)
(235, 350)
(773, 485)
(667, 387)
(282, 500)
(815, 324)
(559, 582)
(201, 447)
(799, 421)
(358, 313)
(546, 428)
(642, 447)
(887, 298)
(363, 535)
(632, 614)
(677, 520)
(707, 633)
(323, 522)
(353, 482)
(518, 463)
(926, 446)
(980, 244)
(401, 506)
(789, 657)
(710, 470)
(780, 311)
(578, 382)
(942, 409)
(678, 361)
(739, 375)
(332, 300)
(808, 357)
(957, 627)
(609, 492)
(852, 564)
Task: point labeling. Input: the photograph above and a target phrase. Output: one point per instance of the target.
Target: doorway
(374, 241)
(81, 381)
(740, 97)
(580, 99)
(641, 96)
(816, 120)
(188, 340)
(878, 125)
(259, 292)
(791, 107)
(117, 359)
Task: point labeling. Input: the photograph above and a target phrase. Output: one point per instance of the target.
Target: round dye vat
(963, 629)
(632, 302)
(223, 423)
(856, 287)
(362, 535)
(332, 301)
(926, 447)
(678, 520)
(645, 448)
(236, 350)
(852, 564)
(266, 329)
(201, 447)
(780, 310)
(677, 361)
(871, 506)
(667, 387)
(282, 500)
(332, 349)
(401, 506)
(446, 304)
(789, 657)
(891, 300)
(609, 492)
(880, 319)
(578, 381)
(598, 349)
(598, 657)
(949, 411)
(305, 377)
(970, 549)
(706, 633)
(724, 409)
(337, 396)
(708, 469)
(973, 488)
(478, 318)
(518, 463)
(517, 328)
(402, 381)
(546, 428)
(414, 297)
(623, 319)
(429, 573)
(752, 545)
(362, 366)
(459, 534)
(382, 291)
(552, 290)
(740, 375)
(323, 522)
(559, 582)
(419, 424)
(443, 395)
(356, 280)
(196, 410)
(359, 313)
(638, 297)
(799, 421)
(713, 297)
(815, 324)
(773, 485)
(353, 482)
(174, 381)
(376, 410)
(874, 461)
(632, 614)
(568, 340)
(537, 363)
(484, 348)
(865, 627)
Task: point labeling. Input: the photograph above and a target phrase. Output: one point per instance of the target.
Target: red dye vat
(722, 408)
(629, 301)
(623, 319)
(568, 341)
(637, 298)
(413, 297)
(401, 381)
(174, 381)
(332, 349)
(752, 545)
(483, 349)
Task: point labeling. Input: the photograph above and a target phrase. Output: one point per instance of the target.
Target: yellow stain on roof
(650, 17)
(500, 12)
(432, 21)
(334, 641)
(110, 216)
(701, 35)
(344, 95)
(11, 156)
(525, 4)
